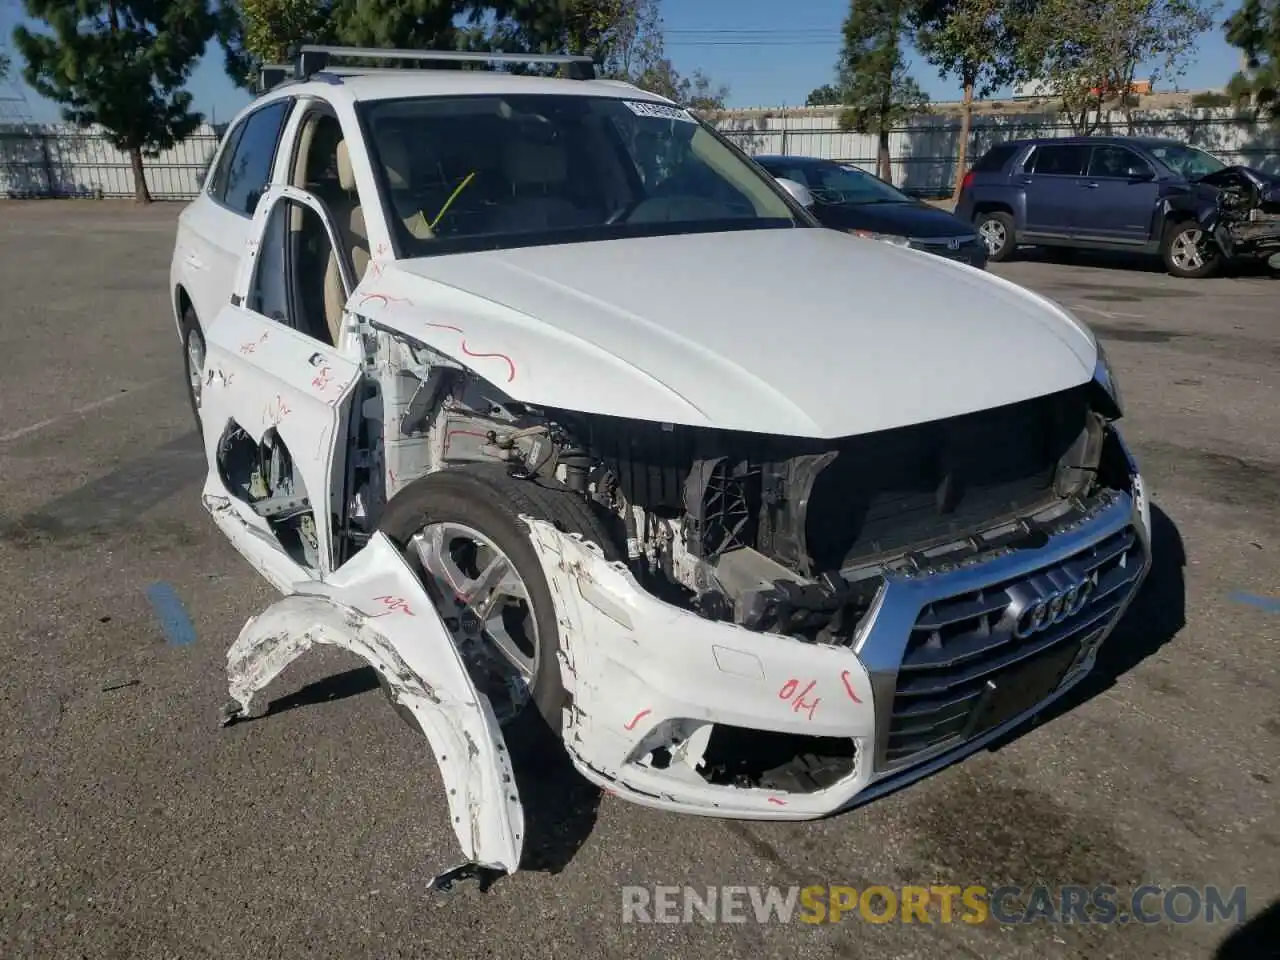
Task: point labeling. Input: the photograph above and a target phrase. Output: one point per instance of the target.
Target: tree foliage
(876, 90)
(1255, 30)
(121, 64)
(1088, 51)
(623, 36)
(823, 96)
(978, 43)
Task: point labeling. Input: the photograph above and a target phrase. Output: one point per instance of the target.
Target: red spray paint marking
(777, 803)
(323, 378)
(848, 687)
(466, 348)
(393, 605)
(276, 412)
(636, 719)
(798, 702)
(249, 346)
(386, 300)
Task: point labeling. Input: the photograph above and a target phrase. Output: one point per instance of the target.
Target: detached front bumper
(942, 664)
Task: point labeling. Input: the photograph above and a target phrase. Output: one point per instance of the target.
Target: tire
(192, 335)
(1177, 258)
(996, 230)
(485, 498)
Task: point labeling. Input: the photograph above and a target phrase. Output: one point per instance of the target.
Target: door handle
(1091, 185)
(1026, 181)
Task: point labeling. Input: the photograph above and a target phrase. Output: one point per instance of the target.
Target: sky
(765, 59)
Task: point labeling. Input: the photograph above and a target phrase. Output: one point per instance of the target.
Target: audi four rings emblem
(1053, 600)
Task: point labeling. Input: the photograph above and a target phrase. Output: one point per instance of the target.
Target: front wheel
(997, 232)
(1188, 251)
(193, 360)
(460, 531)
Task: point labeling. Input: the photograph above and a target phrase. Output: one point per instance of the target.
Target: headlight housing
(882, 237)
(1105, 376)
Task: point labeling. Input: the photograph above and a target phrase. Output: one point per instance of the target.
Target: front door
(278, 394)
(1118, 197)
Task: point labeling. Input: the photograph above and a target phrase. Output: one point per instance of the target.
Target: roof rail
(313, 59)
(271, 75)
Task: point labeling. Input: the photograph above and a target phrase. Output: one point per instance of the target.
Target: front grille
(960, 643)
(966, 249)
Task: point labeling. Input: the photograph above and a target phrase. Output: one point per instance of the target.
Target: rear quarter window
(995, 159)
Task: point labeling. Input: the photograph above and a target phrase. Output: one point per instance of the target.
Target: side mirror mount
(1142, 174)
(799, 192)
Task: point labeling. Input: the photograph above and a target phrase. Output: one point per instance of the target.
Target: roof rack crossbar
(312, 59)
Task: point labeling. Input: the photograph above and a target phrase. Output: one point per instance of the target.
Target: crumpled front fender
(376, 608)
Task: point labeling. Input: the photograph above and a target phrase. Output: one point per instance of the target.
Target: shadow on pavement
(1259, 939)
(340, 686)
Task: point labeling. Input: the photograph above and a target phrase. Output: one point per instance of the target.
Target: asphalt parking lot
(133, 826)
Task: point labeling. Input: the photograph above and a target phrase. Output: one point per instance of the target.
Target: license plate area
(1020, 688)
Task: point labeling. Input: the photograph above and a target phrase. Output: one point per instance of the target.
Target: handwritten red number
(798, 701)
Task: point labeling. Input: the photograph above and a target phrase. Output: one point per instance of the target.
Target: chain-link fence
(61, 161)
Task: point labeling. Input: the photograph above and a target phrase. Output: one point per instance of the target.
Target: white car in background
(542, 398)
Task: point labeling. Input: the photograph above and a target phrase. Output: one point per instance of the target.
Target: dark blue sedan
(846, 198)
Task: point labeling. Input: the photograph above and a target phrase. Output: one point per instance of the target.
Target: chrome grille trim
(940, 682)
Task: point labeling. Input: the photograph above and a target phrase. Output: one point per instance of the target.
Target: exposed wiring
(452, 197)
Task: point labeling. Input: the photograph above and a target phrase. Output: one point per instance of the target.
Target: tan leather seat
(349, 223)
(396, 163)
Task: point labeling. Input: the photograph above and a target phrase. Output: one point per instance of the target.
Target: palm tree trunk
(966, 125)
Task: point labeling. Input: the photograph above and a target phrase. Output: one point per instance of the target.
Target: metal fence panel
(924, 152)
(64, 161)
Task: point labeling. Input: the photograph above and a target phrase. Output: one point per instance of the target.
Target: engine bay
(779, 534)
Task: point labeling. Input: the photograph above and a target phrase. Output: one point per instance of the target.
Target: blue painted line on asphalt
(175, 623)
(1269, 604)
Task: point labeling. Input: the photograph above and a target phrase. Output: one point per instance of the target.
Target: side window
(1114, 161)
(218, 185)
(251, 161)
(1062, 159)
(297, 280)
(993, 160)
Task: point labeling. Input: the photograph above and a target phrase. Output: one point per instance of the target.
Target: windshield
(481, 172)
(840, 183)
(1186, 161)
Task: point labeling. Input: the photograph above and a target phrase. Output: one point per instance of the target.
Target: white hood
(805, 332)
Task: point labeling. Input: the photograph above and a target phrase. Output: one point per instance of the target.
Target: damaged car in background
(538, 396)
(1140, 194)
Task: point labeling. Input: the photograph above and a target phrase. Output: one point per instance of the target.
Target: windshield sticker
(659, 111)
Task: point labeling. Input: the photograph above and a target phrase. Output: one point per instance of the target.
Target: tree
(1255, 30)
(1088, 51)
(121, 64)
(823, 96)
(875, 88)
(254, 32)
(978, 43)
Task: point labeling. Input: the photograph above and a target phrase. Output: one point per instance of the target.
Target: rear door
(278, 394)
(1050, 179)
(1118, 197)
(214, 229)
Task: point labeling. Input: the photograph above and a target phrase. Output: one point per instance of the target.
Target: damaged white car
(539, 396)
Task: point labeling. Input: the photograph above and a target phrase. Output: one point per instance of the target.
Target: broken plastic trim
(377, 609)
